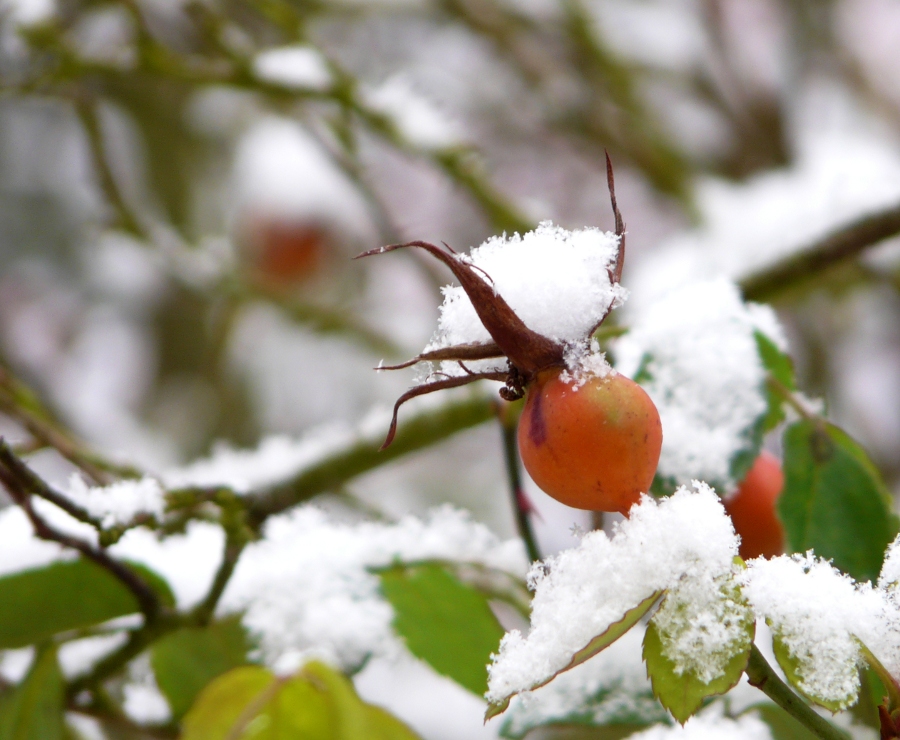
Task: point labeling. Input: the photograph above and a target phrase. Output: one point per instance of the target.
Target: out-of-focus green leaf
(598, 643)
(34, 711)
(781, 367)
(187, 660)
(683, 693)
(781, 724)
(316, 704)
(64, 596)
(444, 622)
(834, 500)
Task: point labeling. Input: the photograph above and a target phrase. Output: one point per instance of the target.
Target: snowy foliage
(820, 614)
(611, 688)
(417, 119)
(307, 586)
(556, 281)
(695, 354)
(685, 539)
(299, 67)
(119, 503)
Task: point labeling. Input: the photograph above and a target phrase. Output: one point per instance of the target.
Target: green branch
(426, 428)
(838, 247)
(761, 675)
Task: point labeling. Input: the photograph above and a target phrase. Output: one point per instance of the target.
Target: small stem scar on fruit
(527, 352)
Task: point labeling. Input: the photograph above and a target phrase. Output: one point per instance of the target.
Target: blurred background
(183, 185)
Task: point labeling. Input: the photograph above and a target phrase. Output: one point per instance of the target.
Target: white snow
(889, 579)
(416, 117)
(299, 67)
(120, 502)
(611, 687)
(686, 538)
(706, 377)
(710, 724)
(819, 613)
(20, 549)
(556, 281)
(306, 586)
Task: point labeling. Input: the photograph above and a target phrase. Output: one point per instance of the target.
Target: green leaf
(781, 724)
(834, 500)
(34, 711)
(187, 660)
(317, 703)
(65, 596)
(682, 690)
(793, 672)
(598, 643)
(444, 622)
(781, 367)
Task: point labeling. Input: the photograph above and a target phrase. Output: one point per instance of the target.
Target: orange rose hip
(593, 445)
(753, 509)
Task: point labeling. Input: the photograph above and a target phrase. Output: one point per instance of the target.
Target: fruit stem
(521, 508)
(761, 675)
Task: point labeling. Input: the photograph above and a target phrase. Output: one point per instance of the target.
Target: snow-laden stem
(836, 248)
(508, 423)
(761, 675)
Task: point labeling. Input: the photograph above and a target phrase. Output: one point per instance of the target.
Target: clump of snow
(119, 503)
(143, 701)
(818, 613)
(418, 120)
(889, 578)
(77, 657)
(306, 586)
(581, 592)
(557, 282)
(583, 362)
(610, 688)
(299, 67)
(695, 354)
(710, 725)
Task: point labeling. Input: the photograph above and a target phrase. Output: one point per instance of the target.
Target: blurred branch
(522, 506)
(21, 403)
(839, 246)
(22, 483)
(428, 427)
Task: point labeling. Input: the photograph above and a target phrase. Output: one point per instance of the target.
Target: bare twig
(22, 484)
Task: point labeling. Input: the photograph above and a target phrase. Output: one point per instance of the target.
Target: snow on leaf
(817, 616)
(610, 689)
(307, 586)
(580, 593)
(698, 643)
(300, 67)
(695, 353)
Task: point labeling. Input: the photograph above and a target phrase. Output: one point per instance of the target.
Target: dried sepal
(525, 348)
(436, 385)
(458, 353)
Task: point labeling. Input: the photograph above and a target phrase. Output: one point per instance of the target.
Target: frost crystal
(556, 281)
(119, 503)
(581, 592)
(306, 586)
(695, 354)
(818, 613)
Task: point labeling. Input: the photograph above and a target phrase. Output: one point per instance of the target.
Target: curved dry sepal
(437, 385)
(615, 272)
(526, 349)
(458, 353)
(598, 643)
